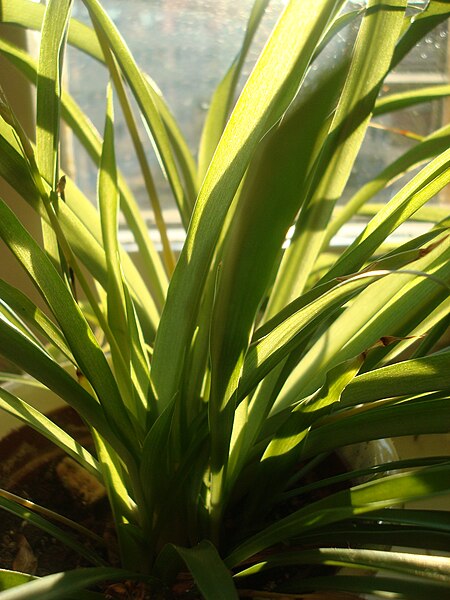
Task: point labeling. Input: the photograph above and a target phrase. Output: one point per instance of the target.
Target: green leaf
(357, 474)
(418, 25)
(14, 166)
(21, 351)
(34, 519)
(411, 418)
(392, 102)
(433, 520)
(295, 429)
(35, 419)
(346, 504)
(376, 312)
(33, 359)
(408, 377)
(284, 448)
(252, 247)
(370, 62)
(48, 89)
(154, 470)
(280, 336)
(80, 337)
(108, 201)
(25, 380)
(378, 587)
(213, 579)
(435, 568)
(29, 14)
(223, 96)
(256, 236)
(26, 13)
(130, 120)
(125, 512)
(60, 586)
(139, 87)
(431, 146)
(370, 534)
(267, 94)
(34, 317)
(181, 149)
(48, 94)
(10, 579)
(84, 213)
(53, 516)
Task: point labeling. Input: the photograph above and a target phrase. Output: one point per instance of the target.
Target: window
(187, 46)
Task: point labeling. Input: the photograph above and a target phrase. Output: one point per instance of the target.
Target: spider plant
(218, 385)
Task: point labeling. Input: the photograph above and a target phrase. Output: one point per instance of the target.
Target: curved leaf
(34, 317)
(61, 586)
(78, 211)
(376, 587)
(79, 336)
(358, 500)
(431, 146)
(436, 568)
(38, 421)
(139, 86)
(371, 57)
(281, 66)
(223, 96)
(56, 532)
(213, 579)
(417, 376)
(392, 102)
(411, 418)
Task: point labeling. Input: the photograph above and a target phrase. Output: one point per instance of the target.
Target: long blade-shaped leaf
(29, 14)
(412, 418)
(211, 576)
(358, 500)
(26, 13)
(367, 70)
(428, 182)
(149, 183)
(49, 89)
(418, 376)
(78, 220)
(253, 245)
(10, 579)
(48, 94)
(70, 584)
(79, 336)
(431, 146)
(34, 418)
(276, 343)
(418, 25)
(374, 587)
(375, 313)
(282, 453)
(436, 568)
(108, 201)
(34, 317)
(224, 94)
(32, 359)
(56, 532)
(281, 67)
(145, 100)
(392, 102)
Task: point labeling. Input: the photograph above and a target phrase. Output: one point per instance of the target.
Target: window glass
(187, 45)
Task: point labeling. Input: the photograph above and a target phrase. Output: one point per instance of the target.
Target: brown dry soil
(28, 469)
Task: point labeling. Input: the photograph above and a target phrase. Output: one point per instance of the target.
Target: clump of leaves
(216, 389)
